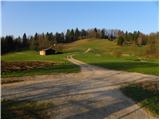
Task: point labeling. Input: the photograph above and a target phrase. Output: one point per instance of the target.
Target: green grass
(146, 98)
(107, 47)
(33, 56)
(103, 53)
(109, 55)
(24, 109)
(121, 63)
(62, 66)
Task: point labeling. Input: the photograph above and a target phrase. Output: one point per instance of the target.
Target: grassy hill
(108, 54)
(100, 52)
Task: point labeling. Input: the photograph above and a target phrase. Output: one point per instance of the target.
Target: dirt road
(92, 93)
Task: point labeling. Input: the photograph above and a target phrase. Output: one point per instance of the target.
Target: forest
(40, 41)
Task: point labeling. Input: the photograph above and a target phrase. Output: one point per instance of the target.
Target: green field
(98, 52)
(61, 66)
(121, 63)
(33, 56)
(107, 54)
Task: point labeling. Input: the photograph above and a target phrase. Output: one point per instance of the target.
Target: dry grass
(25, 65)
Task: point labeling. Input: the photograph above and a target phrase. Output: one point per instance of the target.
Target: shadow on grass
(24, 109)
(147, 98)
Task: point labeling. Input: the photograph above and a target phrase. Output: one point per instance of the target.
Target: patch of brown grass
(25, 65)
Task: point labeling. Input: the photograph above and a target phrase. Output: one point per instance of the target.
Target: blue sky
(31, 17)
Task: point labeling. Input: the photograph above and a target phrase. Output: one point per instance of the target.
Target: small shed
(47, 51)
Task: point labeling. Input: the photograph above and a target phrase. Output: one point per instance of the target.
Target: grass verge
(24, 110)
(146, 98)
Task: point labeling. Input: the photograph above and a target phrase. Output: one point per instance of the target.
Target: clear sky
(31, 17)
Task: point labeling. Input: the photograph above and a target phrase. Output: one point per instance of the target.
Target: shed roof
(48, 49)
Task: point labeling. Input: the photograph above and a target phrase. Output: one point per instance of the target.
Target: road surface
(92, 93)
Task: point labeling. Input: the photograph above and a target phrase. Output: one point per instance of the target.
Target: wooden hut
(47, 51)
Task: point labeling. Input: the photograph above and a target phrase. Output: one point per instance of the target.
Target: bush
(120, 41)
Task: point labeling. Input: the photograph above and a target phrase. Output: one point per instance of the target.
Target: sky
(31, 17)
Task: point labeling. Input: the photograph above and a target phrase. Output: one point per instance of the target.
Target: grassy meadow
(109, 55)
(100, 52)
(61, 64)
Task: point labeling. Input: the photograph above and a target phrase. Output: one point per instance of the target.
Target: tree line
(45, 40)
(140, 39)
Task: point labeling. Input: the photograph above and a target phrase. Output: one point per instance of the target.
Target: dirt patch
(88, 50)
(10, 81)
(27, 65)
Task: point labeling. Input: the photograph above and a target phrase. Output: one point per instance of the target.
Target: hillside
(108, 54)
(100, 52)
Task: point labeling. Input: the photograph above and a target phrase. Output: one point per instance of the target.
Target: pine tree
(77, 34)
(25, 41)
(103, 36)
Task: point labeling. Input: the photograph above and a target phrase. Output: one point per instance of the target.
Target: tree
(67, 38)
(35, 42)
(103, 36)
(3, 45)
(42, 41)
(7, 44)
(57, 38)
(18, 44)
(72, 38)
(25, 41)
(77, 34)
(62, 37)
(92, 33)
(120, 40)
(83, 34)
(32, 46)
(51, 38)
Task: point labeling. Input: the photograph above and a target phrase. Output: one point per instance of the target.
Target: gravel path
(92, 93)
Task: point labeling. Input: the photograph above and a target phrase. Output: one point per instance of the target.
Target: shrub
(120, 40)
